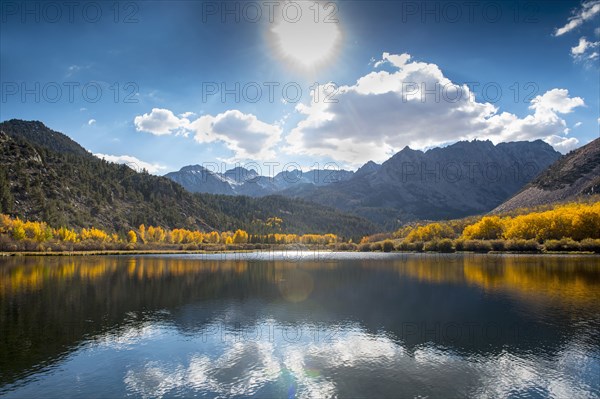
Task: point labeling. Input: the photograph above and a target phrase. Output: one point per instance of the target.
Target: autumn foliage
(430, 232)
(40, 232)
(572, 226)
(576, 221)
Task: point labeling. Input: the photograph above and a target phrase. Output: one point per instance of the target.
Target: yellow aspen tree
(131, 237)
(18, 232)
(240, 237)
(142, 230)
(150, 234)
(488, 228)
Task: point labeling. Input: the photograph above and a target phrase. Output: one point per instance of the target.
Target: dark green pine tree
(6, 198)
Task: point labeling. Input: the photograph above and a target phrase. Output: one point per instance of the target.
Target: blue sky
(142, 82)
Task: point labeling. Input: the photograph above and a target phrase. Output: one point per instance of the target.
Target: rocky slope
(575, 175)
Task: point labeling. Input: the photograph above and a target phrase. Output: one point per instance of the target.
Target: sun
(306, 37)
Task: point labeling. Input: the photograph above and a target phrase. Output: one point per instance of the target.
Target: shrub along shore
(564, 228)
(565, 246)
(447, 245)
(570, 227)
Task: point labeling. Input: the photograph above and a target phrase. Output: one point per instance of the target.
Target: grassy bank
(564, 246)
(149, 249)
(447, 245)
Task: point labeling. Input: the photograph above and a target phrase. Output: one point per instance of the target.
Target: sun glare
(308, 36)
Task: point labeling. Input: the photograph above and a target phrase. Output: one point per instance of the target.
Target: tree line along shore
(569, 227)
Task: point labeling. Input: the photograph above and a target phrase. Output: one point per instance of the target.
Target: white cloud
(133, 163)
(584, 49)
(577, 124)
(394, 59)
(385, 111)
(562, 144)
(187, 114)
(556, 100)
(244, 134)
(588, 10)
(159, 122)
(91, 122)
(580, 48)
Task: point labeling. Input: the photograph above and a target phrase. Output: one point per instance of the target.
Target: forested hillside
(46, 176)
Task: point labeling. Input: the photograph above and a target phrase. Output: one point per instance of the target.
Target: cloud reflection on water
(313, 369)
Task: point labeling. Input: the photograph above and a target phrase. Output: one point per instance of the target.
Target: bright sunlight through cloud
(306, 35)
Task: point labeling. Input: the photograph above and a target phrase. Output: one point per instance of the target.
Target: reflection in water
(569, 278)
(373, 325)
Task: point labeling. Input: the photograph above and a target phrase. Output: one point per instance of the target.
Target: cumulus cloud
(159, 122)
(91, 122)
(562, 144)
(133, 163)
(244, 134)
(556, 100)
(415, 105)
(589, 9)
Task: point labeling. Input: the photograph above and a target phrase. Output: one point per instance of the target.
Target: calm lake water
(300, 325)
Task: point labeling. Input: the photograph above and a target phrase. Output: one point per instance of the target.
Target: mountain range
(242, 181)
(46, 176)
(465, 178)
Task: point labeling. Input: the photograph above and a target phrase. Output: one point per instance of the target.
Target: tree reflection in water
(314, 327)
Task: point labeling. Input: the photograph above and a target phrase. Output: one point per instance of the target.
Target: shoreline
(234, 251)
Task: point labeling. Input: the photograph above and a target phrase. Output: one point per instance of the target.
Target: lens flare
(296, 285)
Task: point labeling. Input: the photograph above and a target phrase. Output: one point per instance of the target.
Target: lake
(300, 325)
